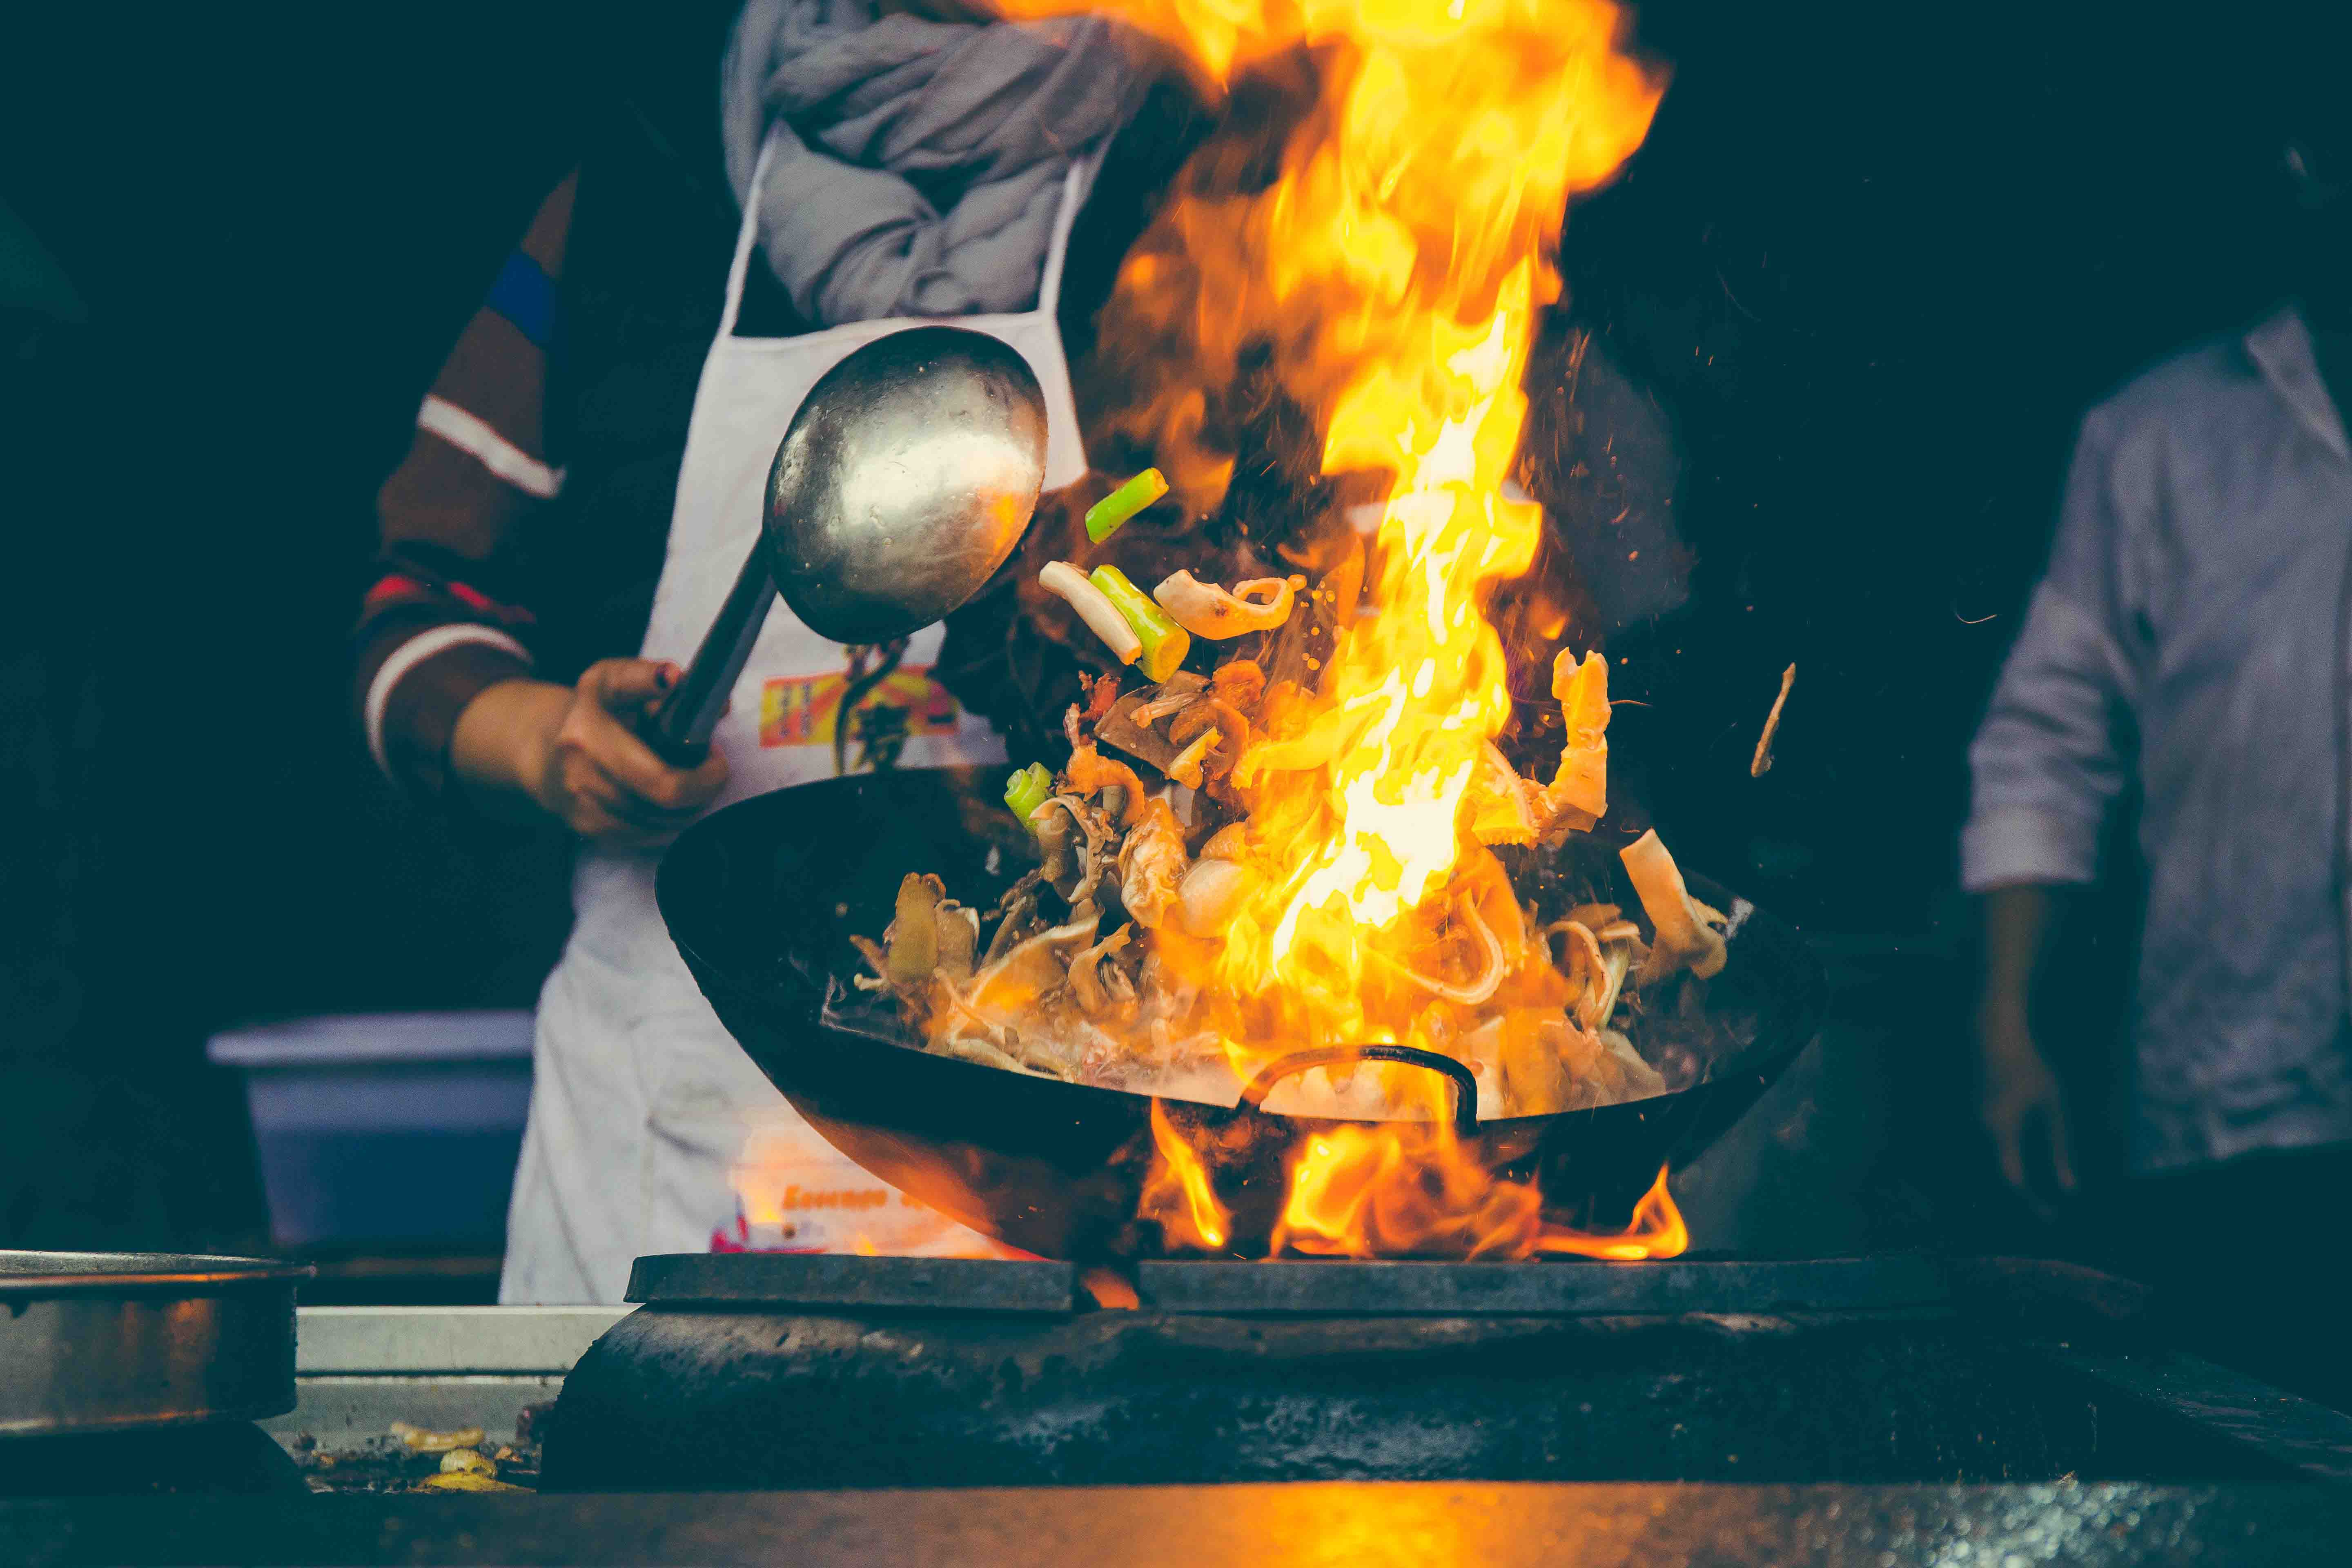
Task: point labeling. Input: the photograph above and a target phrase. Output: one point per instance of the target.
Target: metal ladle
(902, 483)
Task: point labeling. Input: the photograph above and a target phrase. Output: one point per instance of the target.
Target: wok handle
(1465, 1087)
(679, 730)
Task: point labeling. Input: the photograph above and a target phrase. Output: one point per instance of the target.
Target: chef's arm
(443, 619)
(523, 746)
(2019, 1102)
(2045, 767)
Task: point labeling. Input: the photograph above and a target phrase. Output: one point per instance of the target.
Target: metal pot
(107, 1341)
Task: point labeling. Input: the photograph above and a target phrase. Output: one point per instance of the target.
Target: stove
(758, 1372)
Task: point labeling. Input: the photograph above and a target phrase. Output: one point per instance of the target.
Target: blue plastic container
(393, 1129)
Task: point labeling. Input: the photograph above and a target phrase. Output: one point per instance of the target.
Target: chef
(583, 483)
(2191, 638)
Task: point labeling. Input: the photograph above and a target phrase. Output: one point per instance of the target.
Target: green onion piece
(1106, 516)
(1028, 789)
(1165, 643)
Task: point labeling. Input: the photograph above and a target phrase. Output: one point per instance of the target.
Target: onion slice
(1094, 607)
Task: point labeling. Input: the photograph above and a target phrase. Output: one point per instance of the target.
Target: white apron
(650, 1130)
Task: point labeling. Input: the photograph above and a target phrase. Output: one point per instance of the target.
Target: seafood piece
(1207, 610)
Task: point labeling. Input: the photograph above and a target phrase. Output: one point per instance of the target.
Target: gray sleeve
(2048, 760)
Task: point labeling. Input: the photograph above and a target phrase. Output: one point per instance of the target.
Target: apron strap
(746, 236)
(1057, 249)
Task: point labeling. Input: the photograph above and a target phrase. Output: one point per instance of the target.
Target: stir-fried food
(1108, 964)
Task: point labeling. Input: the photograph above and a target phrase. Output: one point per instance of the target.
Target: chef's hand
(2023, 1110)
(573, 752)
(2019, 1102)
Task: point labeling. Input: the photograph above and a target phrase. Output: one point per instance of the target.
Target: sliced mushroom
(1151, 862)
(957, 938)
(1171, 696)
(1018, 908)
(1087, 985)
(912, 940)
(1057, 825)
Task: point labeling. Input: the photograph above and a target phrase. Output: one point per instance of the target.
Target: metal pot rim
(29, 1275)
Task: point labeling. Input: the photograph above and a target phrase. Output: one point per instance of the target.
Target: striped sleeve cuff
(479, 440)
(2013, 845)
(420, 688)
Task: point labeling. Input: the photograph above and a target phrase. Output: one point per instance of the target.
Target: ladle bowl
(903, 481)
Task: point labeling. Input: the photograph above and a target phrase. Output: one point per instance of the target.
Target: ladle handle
(679, 730)
(1465, 1087)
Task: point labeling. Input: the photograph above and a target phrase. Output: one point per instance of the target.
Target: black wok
(763, 897)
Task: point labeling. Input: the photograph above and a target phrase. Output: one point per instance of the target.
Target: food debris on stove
(408, 1459)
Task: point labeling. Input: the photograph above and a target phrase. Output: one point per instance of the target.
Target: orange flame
(1656, 1231)
(1389, 281)
(1380, 1192)
(1177, 1191)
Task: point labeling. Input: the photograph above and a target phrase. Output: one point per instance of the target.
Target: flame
(1388, 282)
(1358, 1191)
(1361, 1191)
(1656, 1231)
(1178, 1192)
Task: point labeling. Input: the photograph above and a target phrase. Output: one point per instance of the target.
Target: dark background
(1872, 263)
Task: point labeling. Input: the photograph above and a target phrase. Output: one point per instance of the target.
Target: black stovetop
(751, 1371)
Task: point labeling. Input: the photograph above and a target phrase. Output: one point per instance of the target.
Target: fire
(1374, 1191)
(1178, 1193)
(1389, 281)
(1656, 1231)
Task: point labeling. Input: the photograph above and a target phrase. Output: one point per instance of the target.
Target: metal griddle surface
(805, 1280)
(1288, 1288)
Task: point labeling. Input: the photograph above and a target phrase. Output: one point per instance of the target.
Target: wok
(762, 898)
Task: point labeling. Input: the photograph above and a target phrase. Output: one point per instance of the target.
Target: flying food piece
(1101, 615)
(1111, 513)
(1685, 940)
(1162, 642)
(1207, 610)
(1762, 763)
(1579, 792)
